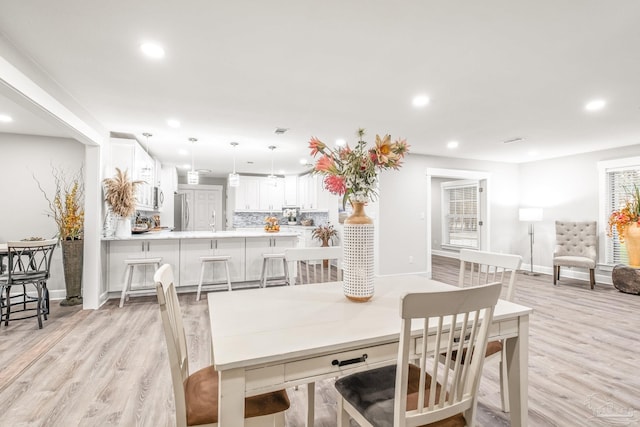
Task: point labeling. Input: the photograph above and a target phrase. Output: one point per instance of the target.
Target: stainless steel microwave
(158, 198)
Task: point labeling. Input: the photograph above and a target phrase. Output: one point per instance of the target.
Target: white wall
(403, 207)
(23, 211)
(567, 189)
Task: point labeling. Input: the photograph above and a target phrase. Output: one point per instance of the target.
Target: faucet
(212, 224)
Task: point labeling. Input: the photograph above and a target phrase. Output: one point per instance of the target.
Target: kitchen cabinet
(271, 196)
(192, 249)
(119, 250)
(291, 190)
(257, 246)
(129, 156)
(259, 194)
(308, 191)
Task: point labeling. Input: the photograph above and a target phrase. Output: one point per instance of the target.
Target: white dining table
(274, 338)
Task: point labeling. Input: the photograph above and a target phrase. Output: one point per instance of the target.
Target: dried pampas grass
(120, 194)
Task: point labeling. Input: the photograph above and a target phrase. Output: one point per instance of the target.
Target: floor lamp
(530, 215)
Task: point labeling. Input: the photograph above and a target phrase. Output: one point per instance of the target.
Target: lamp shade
(234, 180)
(530, 214)
(192, 177)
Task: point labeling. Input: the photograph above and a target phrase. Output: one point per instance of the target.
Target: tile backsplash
(256, 219)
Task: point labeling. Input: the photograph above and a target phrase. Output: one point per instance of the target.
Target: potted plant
(290, 214)
(120, 194)
(66, 207)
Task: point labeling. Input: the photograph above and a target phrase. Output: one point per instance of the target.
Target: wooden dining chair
(29, 263)
(482, 267)
(438, 392)
(196, 394)
(314, 265)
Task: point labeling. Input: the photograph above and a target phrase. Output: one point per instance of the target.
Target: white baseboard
(446, 254)
(570, 272)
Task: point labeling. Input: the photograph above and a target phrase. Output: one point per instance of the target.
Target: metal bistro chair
(29, 264)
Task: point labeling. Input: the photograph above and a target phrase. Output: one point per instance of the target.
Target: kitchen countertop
(167, 235)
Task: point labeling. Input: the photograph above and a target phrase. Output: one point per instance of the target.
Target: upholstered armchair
(576, 246)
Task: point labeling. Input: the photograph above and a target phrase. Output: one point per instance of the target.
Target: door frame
(483, 179)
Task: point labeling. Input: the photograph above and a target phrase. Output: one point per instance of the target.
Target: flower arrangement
(120, 194)
(324, 233)
(271, 224)
(352, 173)
(66, 206)
(290, 214)
(627, 215)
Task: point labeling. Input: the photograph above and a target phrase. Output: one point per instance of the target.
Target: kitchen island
(183, 249)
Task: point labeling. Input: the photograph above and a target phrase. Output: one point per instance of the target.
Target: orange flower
(326, 164)
(316, 146)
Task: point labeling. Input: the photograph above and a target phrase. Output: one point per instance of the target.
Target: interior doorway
(435, 215)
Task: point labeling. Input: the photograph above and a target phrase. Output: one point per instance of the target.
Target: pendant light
(272, 178)
(234, 178)
(192, 175)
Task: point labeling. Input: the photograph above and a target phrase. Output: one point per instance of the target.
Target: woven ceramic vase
(358, 255)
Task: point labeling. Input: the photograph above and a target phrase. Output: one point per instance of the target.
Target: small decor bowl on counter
(307, 222)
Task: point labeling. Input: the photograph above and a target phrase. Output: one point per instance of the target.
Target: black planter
(72, 251)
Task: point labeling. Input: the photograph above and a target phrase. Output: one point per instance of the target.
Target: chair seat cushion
(372, 394)
(493, 347)
(574, 261)
(201, 396)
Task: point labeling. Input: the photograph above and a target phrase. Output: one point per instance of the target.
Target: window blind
(460, 221)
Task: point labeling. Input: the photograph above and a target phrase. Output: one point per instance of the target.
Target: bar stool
(265, 261)
(130, 264)
(213, 258)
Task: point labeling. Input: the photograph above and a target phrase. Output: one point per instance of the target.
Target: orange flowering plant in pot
(626, 223)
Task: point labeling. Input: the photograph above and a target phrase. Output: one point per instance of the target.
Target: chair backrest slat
(174, 335)
(306, 265)
(482, 267)
(29, 261)
(452, 321)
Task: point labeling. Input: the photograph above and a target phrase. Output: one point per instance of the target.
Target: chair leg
(202, 264)
(127, 283)
(8, 305)
(592, 277)
(263, 277)
(286, 271)
(504, 381)
(556, 273)
(343, 416)
(226, 267)
(45, 300)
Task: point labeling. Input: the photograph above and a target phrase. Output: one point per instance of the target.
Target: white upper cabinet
(308, 191)
(128, 155)
(290, 190)
(259, 194)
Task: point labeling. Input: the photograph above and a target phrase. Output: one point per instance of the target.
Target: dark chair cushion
(372, 394)
(493, 347)
(201, 395)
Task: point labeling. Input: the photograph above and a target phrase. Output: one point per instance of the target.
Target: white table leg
(311, 404)
(231, 398)
(517, 352)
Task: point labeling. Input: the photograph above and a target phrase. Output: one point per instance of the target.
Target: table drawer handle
(336, 362)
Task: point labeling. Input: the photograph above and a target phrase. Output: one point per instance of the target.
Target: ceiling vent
(512, 140)
(280, 131)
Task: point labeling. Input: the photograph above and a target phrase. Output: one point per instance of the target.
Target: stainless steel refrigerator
(181, 213)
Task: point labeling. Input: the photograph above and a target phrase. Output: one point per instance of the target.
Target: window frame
(607, 246)
(444, 215)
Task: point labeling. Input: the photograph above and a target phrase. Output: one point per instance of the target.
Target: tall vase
(72, 256)
(325, 244)
(123, 227)
(632, 243)
(358, 255)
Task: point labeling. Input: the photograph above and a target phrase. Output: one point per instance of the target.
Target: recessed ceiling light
(173, 123)
(183, 152)
(304, 161)
(420, 101)
(595, 105)
(152, 50)
(341, 142)
(5, 118)
(452, 144)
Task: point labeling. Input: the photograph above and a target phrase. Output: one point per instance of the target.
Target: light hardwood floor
(109, 366)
